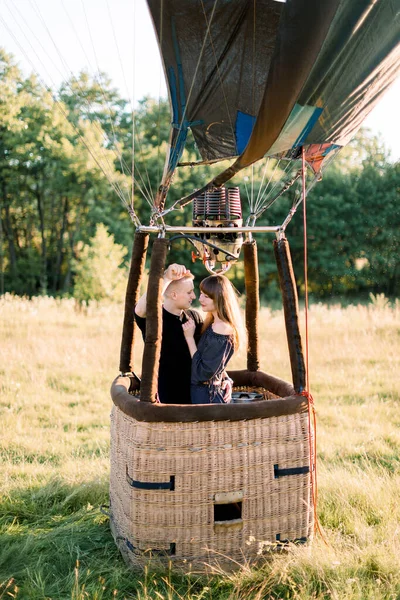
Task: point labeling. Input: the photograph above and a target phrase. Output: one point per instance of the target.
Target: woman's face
(207, 303)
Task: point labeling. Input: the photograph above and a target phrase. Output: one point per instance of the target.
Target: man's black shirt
(175, 359)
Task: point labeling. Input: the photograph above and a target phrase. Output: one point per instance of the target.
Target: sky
(58, 38)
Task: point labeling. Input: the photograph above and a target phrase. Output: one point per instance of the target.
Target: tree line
(66, 156)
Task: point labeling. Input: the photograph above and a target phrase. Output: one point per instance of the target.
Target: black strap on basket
(151, 485)
(105, 510)
(290, 471)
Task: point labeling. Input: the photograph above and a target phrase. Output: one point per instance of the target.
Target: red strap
(304, 167)
(312, 421)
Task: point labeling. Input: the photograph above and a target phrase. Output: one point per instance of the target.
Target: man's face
(184, 295)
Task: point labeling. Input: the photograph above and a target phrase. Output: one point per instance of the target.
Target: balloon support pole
(186, 229)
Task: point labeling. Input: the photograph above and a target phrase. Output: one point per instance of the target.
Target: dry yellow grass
(56, 367)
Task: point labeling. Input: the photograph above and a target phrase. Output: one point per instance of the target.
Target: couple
(194, 354)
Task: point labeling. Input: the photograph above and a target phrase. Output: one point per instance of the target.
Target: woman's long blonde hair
(222, 292)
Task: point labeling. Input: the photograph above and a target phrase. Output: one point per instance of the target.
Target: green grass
(56, 367)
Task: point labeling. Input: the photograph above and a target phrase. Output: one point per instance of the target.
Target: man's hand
(175, 272)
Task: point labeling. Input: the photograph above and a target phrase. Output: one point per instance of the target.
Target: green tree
(353, 221)
(55, 174)
(12, 99)
(66, 156)
(99, 271)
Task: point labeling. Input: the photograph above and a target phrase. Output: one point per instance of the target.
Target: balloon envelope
(265, 78)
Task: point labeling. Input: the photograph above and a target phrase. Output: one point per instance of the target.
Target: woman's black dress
(208, 365)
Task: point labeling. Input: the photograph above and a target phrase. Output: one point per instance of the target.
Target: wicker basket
(209, 490)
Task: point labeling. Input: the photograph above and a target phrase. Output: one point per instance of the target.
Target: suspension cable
(284, 189)
(68, 70)
(146, 185)
(263, 202)
(103, 158)
(262, 189)
(121, 160)
(102, 132)
(115, 186)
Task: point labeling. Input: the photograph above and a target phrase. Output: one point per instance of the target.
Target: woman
(221, 337)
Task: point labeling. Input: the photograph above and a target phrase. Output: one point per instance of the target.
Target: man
(175, 360)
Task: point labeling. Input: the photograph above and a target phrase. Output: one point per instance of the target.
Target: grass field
(56, 367)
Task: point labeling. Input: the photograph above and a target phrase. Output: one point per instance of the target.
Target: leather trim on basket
(288, 403)
(291, 471)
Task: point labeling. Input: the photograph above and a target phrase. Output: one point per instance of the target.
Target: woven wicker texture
(240, 467)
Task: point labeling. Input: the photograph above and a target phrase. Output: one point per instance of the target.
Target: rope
(312, 420)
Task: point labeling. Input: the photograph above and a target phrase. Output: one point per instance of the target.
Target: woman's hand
(189, 328)
(188, 331)
(227, 387)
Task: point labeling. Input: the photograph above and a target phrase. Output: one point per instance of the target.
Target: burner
(219, 207)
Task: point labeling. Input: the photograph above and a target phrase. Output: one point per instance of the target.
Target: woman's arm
(211, 359)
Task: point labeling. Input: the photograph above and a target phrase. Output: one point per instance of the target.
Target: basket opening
(227, 512)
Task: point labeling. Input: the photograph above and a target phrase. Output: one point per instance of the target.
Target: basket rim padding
(289, 403)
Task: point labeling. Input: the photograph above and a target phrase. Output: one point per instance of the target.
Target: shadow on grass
(46, 530)
(55, 543)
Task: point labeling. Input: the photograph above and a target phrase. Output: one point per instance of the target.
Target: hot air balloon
(290, 82)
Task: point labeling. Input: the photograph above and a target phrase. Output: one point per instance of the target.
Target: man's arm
(173, 272)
